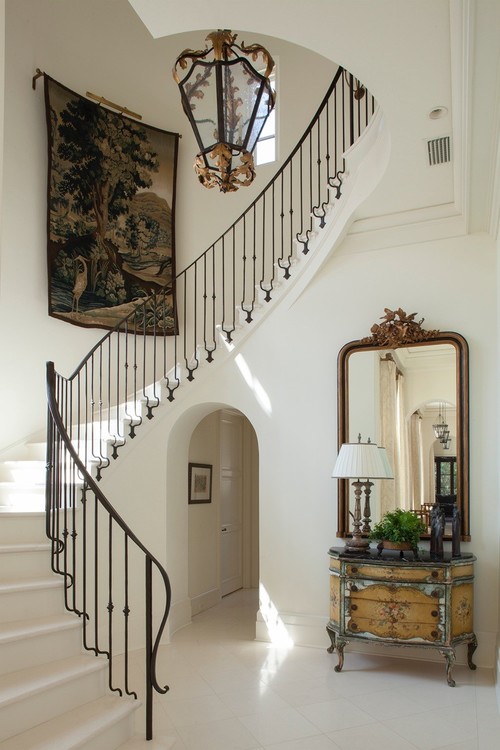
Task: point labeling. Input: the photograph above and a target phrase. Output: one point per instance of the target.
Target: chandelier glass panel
(227, 101)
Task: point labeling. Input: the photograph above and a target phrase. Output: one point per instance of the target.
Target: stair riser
(99, 725)
(45, 704)
(38, 649)
(18, 566)
(22, 497)
(25, 528)
(22, 605)
(112, 737)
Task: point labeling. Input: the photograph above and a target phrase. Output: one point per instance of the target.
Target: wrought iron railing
(108, 572)
(121, 379)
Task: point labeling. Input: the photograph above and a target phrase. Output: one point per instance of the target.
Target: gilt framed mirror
(407, 389)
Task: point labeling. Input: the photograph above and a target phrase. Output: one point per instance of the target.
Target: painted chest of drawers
(386, 599)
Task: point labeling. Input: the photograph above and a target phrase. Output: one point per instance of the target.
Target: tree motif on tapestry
(111, 198)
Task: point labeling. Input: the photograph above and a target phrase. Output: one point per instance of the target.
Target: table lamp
(361, 462)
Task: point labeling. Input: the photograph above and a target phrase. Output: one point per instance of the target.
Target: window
(265, 149)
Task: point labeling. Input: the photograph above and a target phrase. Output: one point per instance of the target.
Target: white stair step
(21, 561)
(27, 643)
(22, 496)
(36, 694)
(35, 597)
(103, 724)
(35, 450)
(19, 526)
(25, 472)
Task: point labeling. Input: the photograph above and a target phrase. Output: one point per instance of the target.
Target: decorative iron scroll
(398, 328)
(111, 199)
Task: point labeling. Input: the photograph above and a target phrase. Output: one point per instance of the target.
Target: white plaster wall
(289, 395)
(292, 358)
(99, 46)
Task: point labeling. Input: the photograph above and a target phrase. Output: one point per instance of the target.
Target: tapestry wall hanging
(110, 224)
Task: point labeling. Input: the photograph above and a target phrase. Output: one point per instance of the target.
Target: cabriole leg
(340, 650)
(471, 647)
(338, 646)
(449, 655)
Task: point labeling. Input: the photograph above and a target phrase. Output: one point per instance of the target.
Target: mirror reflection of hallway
(223, 534)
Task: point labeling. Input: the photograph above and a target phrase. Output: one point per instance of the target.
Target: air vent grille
(439, 150)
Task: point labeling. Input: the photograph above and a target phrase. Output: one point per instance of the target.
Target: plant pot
(396, 545)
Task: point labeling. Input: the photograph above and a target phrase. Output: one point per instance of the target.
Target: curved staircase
(277, 245)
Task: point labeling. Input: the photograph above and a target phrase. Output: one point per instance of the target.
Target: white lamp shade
(361, 461)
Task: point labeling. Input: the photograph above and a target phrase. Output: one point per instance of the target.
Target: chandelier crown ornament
(227, 101)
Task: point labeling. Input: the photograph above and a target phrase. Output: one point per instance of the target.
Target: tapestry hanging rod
(95, 97)
(107, 103)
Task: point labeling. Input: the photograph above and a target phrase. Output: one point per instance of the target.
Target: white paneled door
(231, 506)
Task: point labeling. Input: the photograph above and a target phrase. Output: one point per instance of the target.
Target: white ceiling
(414, 56)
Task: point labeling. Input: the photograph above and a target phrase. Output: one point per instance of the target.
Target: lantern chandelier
(227, 101)
(441, 431)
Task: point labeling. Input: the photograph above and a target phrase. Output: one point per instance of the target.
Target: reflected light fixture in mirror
(361, 462)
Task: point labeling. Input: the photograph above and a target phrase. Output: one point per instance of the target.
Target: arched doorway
(223, 532)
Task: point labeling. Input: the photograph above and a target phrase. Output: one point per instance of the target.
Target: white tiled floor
(229, 692)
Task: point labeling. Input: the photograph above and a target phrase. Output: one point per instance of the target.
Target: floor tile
(279, 726)
(196, 710)
(336, 714)
(318, 742)
(372, 736)
(436, 731)
(228, 734)
(230, 692)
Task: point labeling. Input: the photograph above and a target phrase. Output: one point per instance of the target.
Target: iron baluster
(261, 240)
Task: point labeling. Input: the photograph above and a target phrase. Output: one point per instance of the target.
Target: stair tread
(31, 583)
(25, 682)
(24, 483)
(71, 729)
(26, 547)
(12, 631)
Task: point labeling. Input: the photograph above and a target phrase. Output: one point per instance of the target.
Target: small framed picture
(200, 483)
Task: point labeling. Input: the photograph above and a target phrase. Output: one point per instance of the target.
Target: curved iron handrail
(121, 378)
(226, 283)
(63, 461)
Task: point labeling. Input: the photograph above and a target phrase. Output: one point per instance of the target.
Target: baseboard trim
(205, 601)
(180, 616)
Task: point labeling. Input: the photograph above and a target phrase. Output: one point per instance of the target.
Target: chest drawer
(387, 610)
(396, 573)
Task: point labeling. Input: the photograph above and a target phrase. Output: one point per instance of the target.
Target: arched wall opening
(205, 562)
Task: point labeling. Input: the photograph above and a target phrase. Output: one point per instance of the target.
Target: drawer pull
(435, 613)
(354, 570)
(354, 587)
(437, 594)
(435, 573)
(354, 607)
(353, 626)
(434, 634)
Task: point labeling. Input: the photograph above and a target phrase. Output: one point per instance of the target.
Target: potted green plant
(398, 529)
